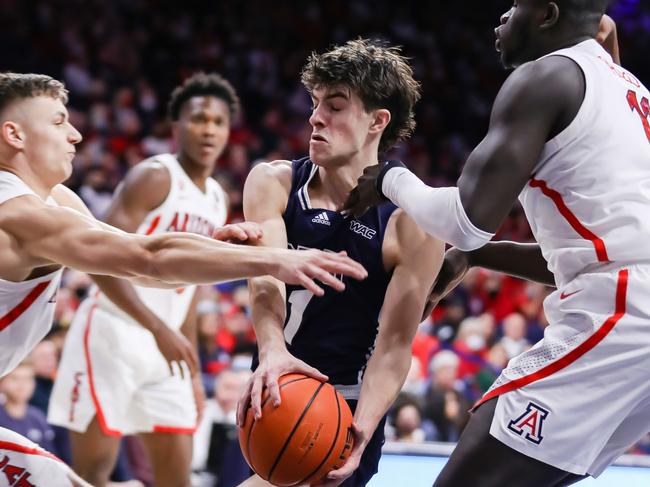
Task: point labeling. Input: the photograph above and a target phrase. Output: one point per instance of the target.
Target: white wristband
(438, 211)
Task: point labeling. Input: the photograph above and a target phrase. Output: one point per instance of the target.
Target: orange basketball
(301, 440)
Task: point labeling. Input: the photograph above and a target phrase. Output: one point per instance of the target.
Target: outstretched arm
(48, 234)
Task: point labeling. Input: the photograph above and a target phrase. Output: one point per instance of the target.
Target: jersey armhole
(579, 122)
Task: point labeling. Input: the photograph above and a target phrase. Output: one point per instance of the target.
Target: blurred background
(121, 59)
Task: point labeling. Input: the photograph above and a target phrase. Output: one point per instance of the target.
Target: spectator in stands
(514, 335)
(445, 404)
(17, 414)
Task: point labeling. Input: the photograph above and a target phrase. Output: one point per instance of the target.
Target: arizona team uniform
(26, 314)
(111, 366)
(336, 332)
(581, 396)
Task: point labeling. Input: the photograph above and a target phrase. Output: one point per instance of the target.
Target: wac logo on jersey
(361, 229)
(529, 424)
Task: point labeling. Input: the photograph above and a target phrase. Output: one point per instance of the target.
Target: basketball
(304, 438)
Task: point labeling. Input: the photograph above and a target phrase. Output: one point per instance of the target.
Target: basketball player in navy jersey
(360, 341)
(168, 192)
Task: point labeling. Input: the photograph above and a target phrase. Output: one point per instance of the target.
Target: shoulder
(147, 184)
(270, 178)
(543, 84)
(405, 241)
(64, 196)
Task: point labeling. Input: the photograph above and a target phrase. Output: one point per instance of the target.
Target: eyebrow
(335, 94)
(60, 114)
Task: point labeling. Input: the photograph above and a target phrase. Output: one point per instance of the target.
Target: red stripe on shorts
(100, 414)
(8, 445)
(599, 245)
(573, 355)
(21, 307)
(172, 429)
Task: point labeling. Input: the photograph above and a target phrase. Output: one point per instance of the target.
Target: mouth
(317, 138)
(497, 42)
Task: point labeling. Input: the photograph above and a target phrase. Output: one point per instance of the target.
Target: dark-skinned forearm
(523, 260)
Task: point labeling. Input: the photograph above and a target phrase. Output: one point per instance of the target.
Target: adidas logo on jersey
(322, 218)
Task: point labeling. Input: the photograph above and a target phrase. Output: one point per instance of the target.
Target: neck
(197, 173)
(333, 184)
(564, 40)
(16, 410)
(28, 176)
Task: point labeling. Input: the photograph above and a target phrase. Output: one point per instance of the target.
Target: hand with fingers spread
(175, 348)
(454, 267)
(368, 191)
(338, 476)
(304, 267)
(239, 233)
(273, 364)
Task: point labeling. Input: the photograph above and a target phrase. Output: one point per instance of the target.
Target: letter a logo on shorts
(529, 424)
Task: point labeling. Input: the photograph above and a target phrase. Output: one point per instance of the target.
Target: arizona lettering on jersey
(587, 201)
(186, 209)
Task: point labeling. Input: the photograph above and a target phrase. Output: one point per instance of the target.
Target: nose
(75, 136)
(316, 118)
(504, 18)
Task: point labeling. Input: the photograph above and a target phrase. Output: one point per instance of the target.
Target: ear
(551, 16)
(12, 134)
(380, 121)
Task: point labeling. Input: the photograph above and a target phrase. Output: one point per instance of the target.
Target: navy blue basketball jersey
(336, 332)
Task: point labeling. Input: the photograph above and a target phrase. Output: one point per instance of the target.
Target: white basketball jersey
(186, 209)
(26, 307)
(588, 199)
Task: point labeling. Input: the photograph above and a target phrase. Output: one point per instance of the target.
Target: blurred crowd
(121, 59)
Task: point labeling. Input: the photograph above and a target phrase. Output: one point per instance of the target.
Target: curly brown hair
(204, 84)
(377, 73)
(16, 86)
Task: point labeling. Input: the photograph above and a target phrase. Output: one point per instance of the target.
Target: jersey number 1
(643, 109)
(298, 301)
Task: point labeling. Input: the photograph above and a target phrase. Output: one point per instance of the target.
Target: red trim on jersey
(573, 355)
(153, 225)
(26, 450)
(599, 245)
(100, 414)
(171, 429)
(21, 307)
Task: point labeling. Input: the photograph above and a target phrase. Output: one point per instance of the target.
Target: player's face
(49, 138)
(202, 129)
(340, 125)
(515, 36)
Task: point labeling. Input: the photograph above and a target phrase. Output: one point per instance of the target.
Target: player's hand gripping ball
(301, 440)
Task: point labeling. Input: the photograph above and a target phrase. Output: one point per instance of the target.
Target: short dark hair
(204, 84)
(17, 86)
(378, 74)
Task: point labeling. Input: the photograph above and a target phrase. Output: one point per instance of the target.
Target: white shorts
(24, 463)
(581, 396)
(112, 368)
